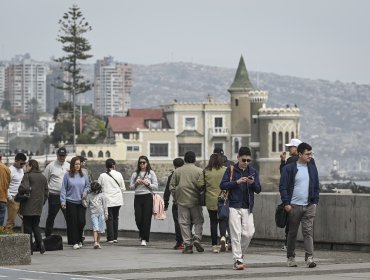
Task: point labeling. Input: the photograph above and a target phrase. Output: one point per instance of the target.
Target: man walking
(16, 176)
(4, 186)
(299, 191)
(184, 188)
(54, 174)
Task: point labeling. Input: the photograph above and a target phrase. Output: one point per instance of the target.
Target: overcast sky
(317, 39)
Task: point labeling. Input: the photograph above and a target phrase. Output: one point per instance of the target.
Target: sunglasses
(246, 160)
(22, 163)
(142, 162)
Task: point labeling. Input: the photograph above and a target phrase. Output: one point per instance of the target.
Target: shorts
(98, 222)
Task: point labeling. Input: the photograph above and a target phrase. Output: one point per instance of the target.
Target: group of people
(69, 187)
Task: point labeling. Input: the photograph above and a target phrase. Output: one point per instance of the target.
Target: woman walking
(143, 181)
(34, 183)
(213, 174)
(112, 186)
(74, 189)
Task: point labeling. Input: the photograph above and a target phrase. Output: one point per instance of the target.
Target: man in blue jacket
(242, 181)
(299, 191)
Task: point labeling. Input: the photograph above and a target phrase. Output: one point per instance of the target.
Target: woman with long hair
(74, 189)
(213, 174)
(34, 183)
(113, 185)
(143, 181)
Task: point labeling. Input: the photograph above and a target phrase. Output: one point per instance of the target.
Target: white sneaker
(291, 262)
(115, 241)
(80, 245)
(143, 242)
(310, 262)
(76, 247)
(223, 244)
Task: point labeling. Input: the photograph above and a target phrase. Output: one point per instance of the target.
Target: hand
(139, 181)
(63, 206)
(106, 217)
(165, 208)
(288, 208)
(283, 156)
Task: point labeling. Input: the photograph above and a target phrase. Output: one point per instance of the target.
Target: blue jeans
(2, 213)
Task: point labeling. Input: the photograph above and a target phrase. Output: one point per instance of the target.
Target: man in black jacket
(177, 162)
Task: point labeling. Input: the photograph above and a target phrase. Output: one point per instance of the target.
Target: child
(99, 211)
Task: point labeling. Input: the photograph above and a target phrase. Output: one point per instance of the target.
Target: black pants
(54, 207)
(175, 215)
(76, 220)
(112, 223)
(214, 222)
(143, 205)
(31, 225)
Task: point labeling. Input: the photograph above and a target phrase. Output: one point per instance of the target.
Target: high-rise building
(26, 84)
(112, 87)
(54, 95)
(2, 83)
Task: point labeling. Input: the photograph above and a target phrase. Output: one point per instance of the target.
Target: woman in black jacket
(35, 183)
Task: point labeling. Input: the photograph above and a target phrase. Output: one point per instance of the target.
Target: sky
(316, 39)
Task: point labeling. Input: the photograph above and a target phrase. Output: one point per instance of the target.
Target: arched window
(292, 135)
(280, 141)
(273, 148)
(83, 153)
(100, 154)
(107, 154)
(90, 154)
(286, 137)
(236, 145)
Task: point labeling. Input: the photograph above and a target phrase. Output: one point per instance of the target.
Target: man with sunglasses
(242, 182)
(16, 176)
(299, 191)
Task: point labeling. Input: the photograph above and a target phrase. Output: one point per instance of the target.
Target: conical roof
(241, 80)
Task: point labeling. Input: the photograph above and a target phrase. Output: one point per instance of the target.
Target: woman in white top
(112, 186)
(143, 181)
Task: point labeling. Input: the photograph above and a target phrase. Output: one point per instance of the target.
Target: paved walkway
(128, 260)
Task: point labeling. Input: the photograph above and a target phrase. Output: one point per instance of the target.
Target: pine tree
(73, 27)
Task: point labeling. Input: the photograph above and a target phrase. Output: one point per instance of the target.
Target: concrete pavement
(128, 260)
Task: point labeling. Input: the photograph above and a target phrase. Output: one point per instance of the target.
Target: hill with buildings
(334, 115)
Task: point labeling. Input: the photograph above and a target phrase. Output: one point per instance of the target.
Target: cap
(62, 151)
(218, 151)
(82, 158)
(293, 142)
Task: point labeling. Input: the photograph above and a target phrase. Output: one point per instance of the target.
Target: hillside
(335, 115)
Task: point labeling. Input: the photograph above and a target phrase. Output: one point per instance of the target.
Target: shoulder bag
(281, 216)
(223, 200)
(23, 196)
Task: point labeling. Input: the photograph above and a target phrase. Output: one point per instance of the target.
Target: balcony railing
(219, 131)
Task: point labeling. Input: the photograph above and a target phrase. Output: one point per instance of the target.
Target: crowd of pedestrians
(70, 187)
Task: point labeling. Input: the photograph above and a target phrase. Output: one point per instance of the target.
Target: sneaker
(188, 249)
(178, 247)
(42, 248)
(238, 265)
(115, 241)
(310, 262)
(143, 242)
(291, 262)
(283, 248)
(110, 241)
(223, 244)
(215, 249)
(99, 247)
(198, 246)
(80, 245)
(75, 247)
(96, 246)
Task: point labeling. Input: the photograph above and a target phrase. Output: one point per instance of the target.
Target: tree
(73, 27)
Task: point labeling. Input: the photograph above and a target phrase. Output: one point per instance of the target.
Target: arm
(256, 186)
(153, 183)
(201, 183)
(226, 184)
(63, 191)
(121, 183)
(283, 186)
(316, 186)
(132, 181)
(167, 193)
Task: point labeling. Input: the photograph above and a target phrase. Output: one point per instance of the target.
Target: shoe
(115, 241)
(291, 262)
(223, 244)
(80, 245)
(310, 262)
(75, 247)
(238, 265)
(283, 248)
(110, 241)
(188, 249)
(215, 249)
(178, 247)
(42, 248)
(143, 242)
(96, 246)
(198, 246)
(99, 247)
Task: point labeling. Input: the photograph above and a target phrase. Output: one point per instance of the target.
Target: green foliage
(63, 131)
(5, 231)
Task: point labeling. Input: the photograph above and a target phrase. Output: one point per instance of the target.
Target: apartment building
(2, 83)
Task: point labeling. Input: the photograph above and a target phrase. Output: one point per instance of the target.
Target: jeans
(175, 216)
(54, 207)
(2, 213)
(13, 208)
(112, 223)
(143, 205)
(303, 215)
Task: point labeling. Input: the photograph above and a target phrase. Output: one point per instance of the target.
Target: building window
(286, 137)
(83, 153)
(236, 102)
(280, 141)
(100, 154)
(133, 148)
(190, 123)
(218, 122)
(107, 154)
(236, 145)
(218, 146)
(292, 135)
(126, 135)
(273, 148)
(196, 148)
(158, 150)
(154, 124)
(90, 154)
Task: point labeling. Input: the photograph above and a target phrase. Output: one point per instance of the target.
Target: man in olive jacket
(185, 191)
(4, 185)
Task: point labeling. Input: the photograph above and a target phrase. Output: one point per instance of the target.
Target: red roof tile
(125, 124)
(147, 113)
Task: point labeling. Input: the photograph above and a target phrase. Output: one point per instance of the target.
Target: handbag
(281, 216)
(223, 201)
(202, 193)
(23, 196)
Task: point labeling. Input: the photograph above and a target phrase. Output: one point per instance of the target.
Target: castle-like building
(169, 131)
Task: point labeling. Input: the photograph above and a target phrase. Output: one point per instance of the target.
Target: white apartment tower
(2, 84)
(112, 87)
(26, 81)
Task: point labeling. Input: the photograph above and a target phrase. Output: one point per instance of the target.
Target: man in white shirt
(16, 176)
(54, 174)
